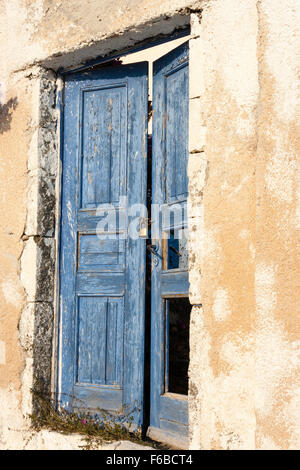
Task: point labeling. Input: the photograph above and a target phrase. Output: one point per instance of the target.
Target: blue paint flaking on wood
(101, 296)
(169, 186)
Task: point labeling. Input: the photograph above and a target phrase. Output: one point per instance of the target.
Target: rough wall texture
(222, 350)
(15, 119)
(28, 341)
(244, 205)
(277, 273)
(65, 32)
(30, 41)
(244, 388)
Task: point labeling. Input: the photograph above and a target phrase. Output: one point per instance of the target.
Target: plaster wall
(30, 168)
(277, 270)
(244, 370)
(224, 102)
(244, 209)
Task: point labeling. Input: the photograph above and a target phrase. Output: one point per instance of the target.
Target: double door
(104, 245)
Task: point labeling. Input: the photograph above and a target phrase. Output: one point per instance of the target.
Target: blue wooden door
(170, 305)
(102, 271)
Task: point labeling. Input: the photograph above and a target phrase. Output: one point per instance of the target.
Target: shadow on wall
(45, 278)
(45, 238)
(6, 111)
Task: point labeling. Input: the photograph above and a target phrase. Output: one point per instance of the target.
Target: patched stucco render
(244, 206)
(244, 371)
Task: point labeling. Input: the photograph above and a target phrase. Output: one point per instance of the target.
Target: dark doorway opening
(177, 345)
(148, 292)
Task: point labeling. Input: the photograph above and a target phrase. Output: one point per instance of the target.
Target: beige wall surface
(245, 359)
(277, 273)
(244, 205)
(222, 354)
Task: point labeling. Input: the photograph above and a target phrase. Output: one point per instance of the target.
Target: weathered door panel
(169, 411)
(102, 272)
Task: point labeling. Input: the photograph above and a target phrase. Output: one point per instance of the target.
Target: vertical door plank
(102, 280)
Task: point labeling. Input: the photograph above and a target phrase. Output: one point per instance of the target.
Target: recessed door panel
(100, 340)
(176, 131)
(104, 139)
